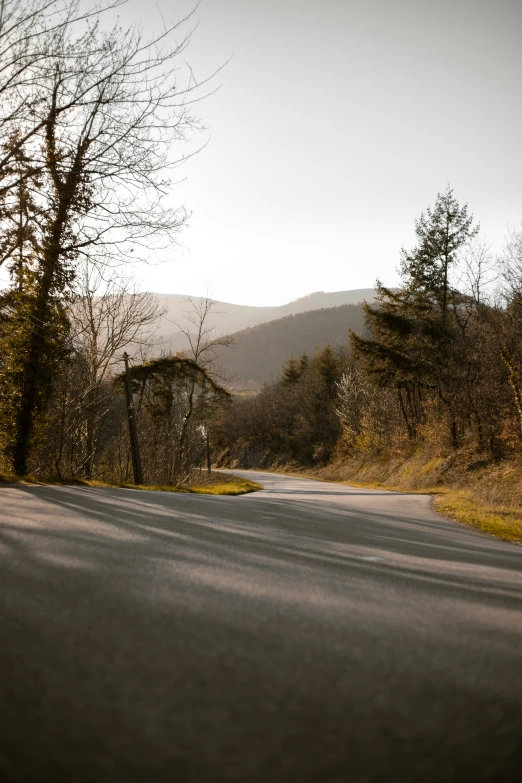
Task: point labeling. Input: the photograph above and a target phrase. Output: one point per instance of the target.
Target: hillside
(230, 318)
(260, 351)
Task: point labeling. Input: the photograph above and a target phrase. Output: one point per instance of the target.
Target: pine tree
(441, 233)
(291, 372)
(304, 363)
(328, 366)
(412, 336)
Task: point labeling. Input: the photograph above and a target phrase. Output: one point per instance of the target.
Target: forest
(436, 377)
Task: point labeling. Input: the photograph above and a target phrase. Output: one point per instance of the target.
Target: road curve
(308, 632)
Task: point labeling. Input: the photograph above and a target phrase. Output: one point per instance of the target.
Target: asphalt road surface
(309, 632)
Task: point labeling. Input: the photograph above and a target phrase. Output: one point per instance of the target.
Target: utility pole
(208, 450)
(133, 431)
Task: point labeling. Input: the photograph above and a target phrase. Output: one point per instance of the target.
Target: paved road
(309, 632)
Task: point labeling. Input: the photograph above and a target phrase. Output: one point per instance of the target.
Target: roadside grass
(464, 506)
(461, 506)
(503, 522)
(219, 484)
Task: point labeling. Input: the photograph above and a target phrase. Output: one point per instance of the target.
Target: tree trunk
(405, 415)
(25, 417)
(31, 375)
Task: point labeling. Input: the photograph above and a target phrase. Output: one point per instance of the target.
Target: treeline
(440, 365)
(83, 430)
(291, 420)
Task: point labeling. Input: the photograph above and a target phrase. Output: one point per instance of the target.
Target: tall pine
(412, 342)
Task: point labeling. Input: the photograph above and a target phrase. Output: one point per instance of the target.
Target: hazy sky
(337, 122)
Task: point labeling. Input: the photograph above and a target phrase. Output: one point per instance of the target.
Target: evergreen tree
(412, 343)
(441, 233)
(328, 367)
(291, 372)
(304, 363)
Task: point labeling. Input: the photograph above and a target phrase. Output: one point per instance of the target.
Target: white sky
(337, 122)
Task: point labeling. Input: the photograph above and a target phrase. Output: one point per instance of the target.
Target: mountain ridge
(259, 352)
(228, 318)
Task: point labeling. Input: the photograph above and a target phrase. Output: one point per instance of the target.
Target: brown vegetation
(483, 493)
(429, 397)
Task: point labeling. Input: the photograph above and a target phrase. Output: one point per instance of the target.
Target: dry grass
(215, 484)
(469, 490)
(461, 506)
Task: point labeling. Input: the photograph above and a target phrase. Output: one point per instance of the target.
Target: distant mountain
(260, 351)
(229, 318)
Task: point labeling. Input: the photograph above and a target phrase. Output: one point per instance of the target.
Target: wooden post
(208, 451)
(133, 431)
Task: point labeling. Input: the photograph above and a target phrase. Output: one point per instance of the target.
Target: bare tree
(511, 263)
(162, 387)
(204, 339)
(478, 271)
(205, 342)
(109, 107)
(509, 321)
(108, 316)
(29, 30)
